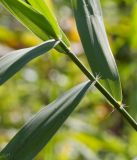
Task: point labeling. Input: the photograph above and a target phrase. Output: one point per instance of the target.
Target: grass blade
(40, 129)
(14, 61)
(42, 7)
(91, 29)
(33, 20)
(38, 18)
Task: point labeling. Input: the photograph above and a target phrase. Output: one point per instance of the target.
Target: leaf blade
(33, 20)
(42, 7)
(14, 61)
(40, 129)
(93, 36)
(44, 25)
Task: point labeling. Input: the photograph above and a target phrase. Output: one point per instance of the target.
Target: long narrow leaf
(32, 19)
(40, 129)
(14, 61)
(42, 23)
(42, 7)
(91, 28)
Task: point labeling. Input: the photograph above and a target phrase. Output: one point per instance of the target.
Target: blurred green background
(94, 131)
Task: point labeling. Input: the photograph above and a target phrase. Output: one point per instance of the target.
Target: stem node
(93, 79)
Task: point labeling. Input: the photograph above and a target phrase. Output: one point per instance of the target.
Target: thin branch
(107, 95)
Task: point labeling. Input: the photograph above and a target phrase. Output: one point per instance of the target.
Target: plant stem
(118, 106)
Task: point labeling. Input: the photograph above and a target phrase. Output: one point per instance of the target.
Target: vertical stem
(118, 106)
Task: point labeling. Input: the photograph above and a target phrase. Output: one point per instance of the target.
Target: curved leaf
(32, 19)
(92, 32)
(40, 20)
(40, 129)
(14, 61)
(42, 7)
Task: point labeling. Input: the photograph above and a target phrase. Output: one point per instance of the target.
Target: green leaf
(92, 32)
(42, 7)
(14, 61)
(40, 129)
(32, 19)
(65, 39)
(40, 20)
